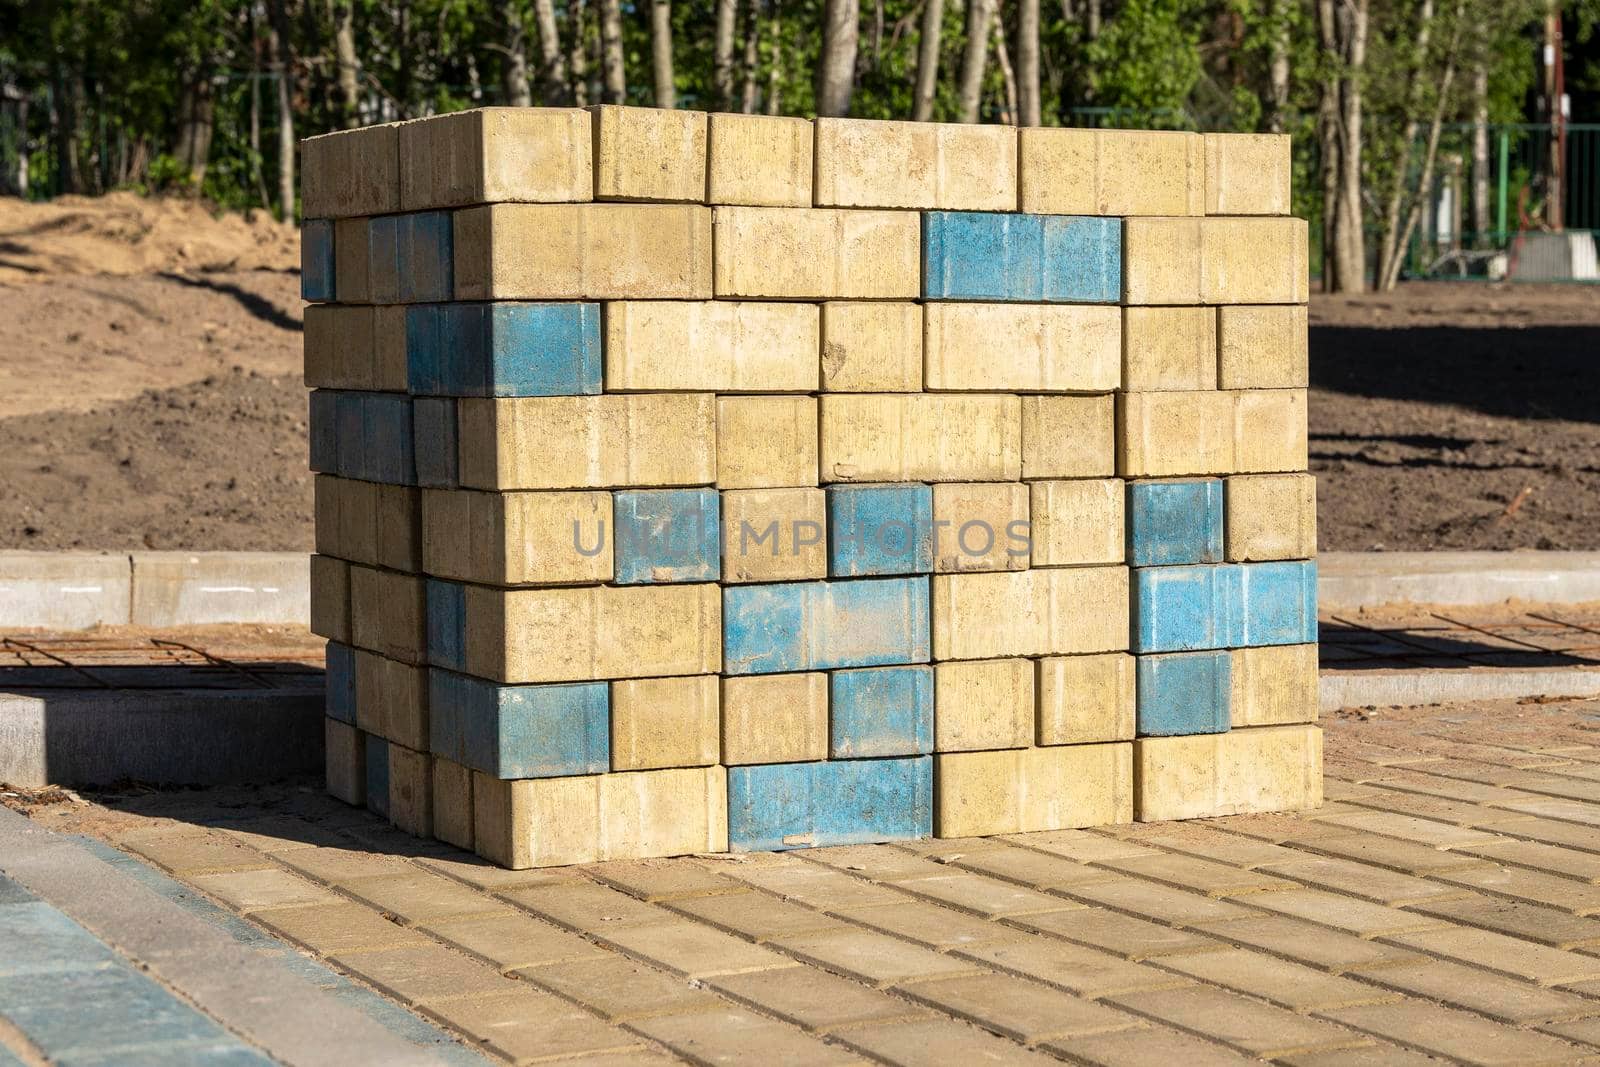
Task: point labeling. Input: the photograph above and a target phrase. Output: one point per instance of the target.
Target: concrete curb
(164, 736)
(1386, 688)
(80, 590)
(254, 995)
(1365, 581)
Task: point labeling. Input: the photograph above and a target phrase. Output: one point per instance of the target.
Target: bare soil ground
(159, 405)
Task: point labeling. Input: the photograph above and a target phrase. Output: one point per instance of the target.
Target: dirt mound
(124, 233)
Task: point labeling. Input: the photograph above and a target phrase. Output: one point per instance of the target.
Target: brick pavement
(1444, 903)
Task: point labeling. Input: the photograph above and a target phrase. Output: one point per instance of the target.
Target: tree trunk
(578, 61)
(1390, 266)
(1394, 200)
(552, 67)
(255, 114)
(285, 64)
(1008, 78)
(1481, 220)
(927, 61)
(514, 85)
(775, 74)
(1092, 19)
(975, 57)
(1343, 31)
(22, 147)
(344, 49)
(1278, 66)
(752, 57)
(64, 127)
(1029, 110)
(197, 108)
(616, 79)
(836, 67)
(722, 58)
(666, 93)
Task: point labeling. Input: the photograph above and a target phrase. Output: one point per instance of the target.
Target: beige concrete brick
(1262, 347)
(325, 509)
(515, 538)
(649, 153)
(576, 442)
(411, 791)
(951, 166)
(1248, 174)
(774, 718)
(583, 252)
(388, 614)
(397, 518)
(1263, 768)
(352, 261)
(759, 161)
(980, 526)
(332, 335)
(370, 702)
(389, 371)
(1165, 434)
(1086, 698)
(1254, 261)
(1160, 261)
(489, 155)
(665, 722)
(536, 822)
(663, 813)
(1030, 613)
(1273, 685)
(1111, 172)
(900, 437)
(1271, 516)
(330, 598)
(816, 254)
(357, 504)
(1068, 436)
(1169, 348)
(593, 632)
(1079, 521)
(1025, 347)
(871, 347)
(983, 704)
(351, 172)
(774, 535)
(1269, 431)
(716, 346)
(1031, 789)
(345, 757)
(766, 442)
(392, 700)
(452, 803)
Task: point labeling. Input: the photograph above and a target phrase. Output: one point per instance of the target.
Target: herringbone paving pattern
(1444, 903)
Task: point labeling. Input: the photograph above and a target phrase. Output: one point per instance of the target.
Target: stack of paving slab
(695, 483)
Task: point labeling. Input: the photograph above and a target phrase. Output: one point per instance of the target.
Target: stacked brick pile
(690, 483)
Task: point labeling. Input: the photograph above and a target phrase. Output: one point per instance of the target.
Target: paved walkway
(1444, 903)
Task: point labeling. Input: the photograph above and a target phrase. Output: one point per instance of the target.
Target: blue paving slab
(880, 529)
(383, 259)
(880, 711)
(1277, 603)
(389, 451)
(316, 261)
(8, 1060)
(1082, 259)
(1174, 522)
(667, 535)
(385, 1012)
(323, 421)
(970, 255)
(447, 623)
(377, 774)
(435, 438)
(1183, 693)
(525, 349)
(13, 893)
(520, 731)
(425, 350)
(38, 939)
(426, 257)
(831, 802)
(1184, 608)
(340, 686)
(166, 1054)
(809, 626)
